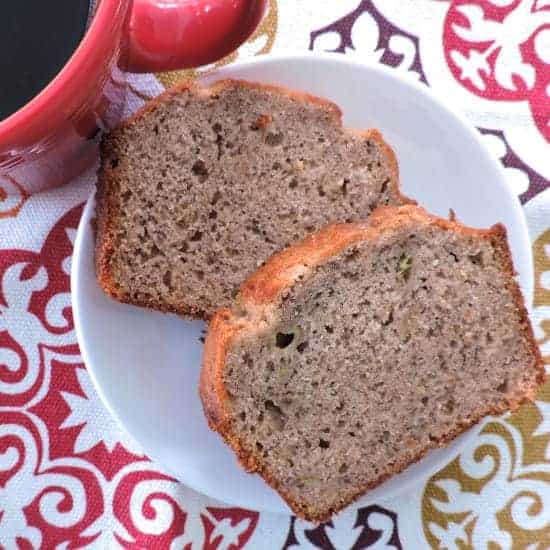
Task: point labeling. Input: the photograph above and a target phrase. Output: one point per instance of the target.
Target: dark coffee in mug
(37, 38)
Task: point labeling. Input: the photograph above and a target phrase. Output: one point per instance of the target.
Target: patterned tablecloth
(70, 478)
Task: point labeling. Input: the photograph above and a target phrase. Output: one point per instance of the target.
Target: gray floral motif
(511, 161)
(371, 527)
(366, 33)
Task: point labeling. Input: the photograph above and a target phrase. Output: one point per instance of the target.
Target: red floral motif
(232, 526)
(58, 499)
(69, 477)
(499, 50)
(150, 503)
(35, 312)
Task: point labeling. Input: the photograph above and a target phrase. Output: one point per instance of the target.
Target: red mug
(49, 140)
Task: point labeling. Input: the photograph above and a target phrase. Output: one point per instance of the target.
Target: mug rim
(106, 11)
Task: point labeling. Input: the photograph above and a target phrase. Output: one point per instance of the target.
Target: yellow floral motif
(496, 494)
(12, 197)
(541, 302)
(259, 43)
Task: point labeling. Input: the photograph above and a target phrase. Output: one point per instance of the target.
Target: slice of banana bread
(204, 184)
(347, 356)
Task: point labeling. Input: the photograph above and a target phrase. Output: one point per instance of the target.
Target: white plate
(146, 365)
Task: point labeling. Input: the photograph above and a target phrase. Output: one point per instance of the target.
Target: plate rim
(220, 74)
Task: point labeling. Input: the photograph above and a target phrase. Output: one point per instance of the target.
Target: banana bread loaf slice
(204, 184)
(347, 356)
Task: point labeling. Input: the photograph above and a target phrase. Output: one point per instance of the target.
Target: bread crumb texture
(205, 184)
(388, 348)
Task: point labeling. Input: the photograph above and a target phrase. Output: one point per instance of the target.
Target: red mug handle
(165, 35)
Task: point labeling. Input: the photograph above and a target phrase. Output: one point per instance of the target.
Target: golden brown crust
(284, 267)
(282, 270)
(376, 135)
(211, 388)
(500, 243)
(261, 291)
(106, 201)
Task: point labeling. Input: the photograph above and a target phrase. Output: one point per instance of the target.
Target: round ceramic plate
(146, 365)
